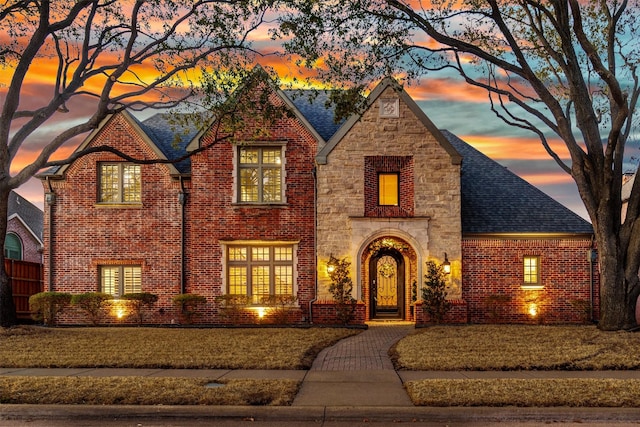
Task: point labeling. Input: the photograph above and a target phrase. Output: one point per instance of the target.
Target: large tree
(567, 69)
(86, 59)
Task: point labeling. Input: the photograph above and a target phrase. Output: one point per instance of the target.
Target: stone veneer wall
(344, 230)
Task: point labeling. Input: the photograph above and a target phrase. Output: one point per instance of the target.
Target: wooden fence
(26, 280)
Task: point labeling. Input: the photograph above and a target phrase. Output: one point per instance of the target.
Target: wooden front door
(386, 284)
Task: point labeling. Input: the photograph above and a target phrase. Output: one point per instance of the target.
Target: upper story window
(531, 266)
(388, 189)
(118, 280)
(260, 175)
(12, 246)
(120, 183)
(388, 186)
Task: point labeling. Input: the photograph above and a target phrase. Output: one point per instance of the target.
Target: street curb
(317, 413)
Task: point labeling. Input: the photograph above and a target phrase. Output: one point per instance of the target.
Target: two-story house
(273, 192)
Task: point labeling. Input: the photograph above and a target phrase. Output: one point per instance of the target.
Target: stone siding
(347, 220)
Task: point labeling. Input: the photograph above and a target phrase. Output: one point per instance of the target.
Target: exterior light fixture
(331, 267)
(446, 265)
(50, 198)
(533, 309)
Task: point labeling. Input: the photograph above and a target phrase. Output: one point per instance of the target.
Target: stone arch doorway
(386, 285)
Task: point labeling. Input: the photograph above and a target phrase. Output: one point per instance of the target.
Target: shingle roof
(316, 107)
(170, 137)
(32, 216)
(495, 200)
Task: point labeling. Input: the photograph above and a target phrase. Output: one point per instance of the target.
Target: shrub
(189, 306)
(92, 303)
(434, 292)
(138, 302)
(232, 306)
(281, 306)
(45, 306)
(341, 288)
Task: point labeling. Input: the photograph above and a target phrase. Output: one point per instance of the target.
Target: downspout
(182, 199)
(592, 255)
(50, 199)
(315, 243)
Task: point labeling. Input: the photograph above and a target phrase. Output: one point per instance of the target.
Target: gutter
(182, 199)
(50, 199)
(315, 243)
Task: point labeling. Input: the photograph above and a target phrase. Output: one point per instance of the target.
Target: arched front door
(386, 285)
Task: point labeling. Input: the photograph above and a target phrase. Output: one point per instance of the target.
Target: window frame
(260, 167)
(527, 276)
(250, 263)
(120, 284)
(121, 184)
(397, 189)
(19, 248)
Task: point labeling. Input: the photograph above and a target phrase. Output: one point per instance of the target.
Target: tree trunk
(613, 298)
(8, 316)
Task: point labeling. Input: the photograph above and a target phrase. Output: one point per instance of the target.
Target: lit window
(260, 271)
(118, 280)
(12, 246)
(260, 175)
(388, 189)
(531, 271)
(120, 183)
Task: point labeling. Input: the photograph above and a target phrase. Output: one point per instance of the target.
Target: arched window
(12, 246)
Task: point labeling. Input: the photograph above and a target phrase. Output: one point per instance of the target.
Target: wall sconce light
(50, 198)
(533, 309)
(446, 265)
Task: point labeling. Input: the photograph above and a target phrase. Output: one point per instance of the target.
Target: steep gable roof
(388, 82)
(258, 76)
(495, 200)
(316, 107)
(170, 137)
(154, 134)
(28, 213)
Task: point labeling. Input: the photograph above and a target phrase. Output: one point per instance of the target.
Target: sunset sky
(446, 100)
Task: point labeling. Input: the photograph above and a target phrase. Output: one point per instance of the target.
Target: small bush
(45, 306)
(138, 302)
(281, 306)
(189, 306)
(92, 303)
(232, 306)
(434, 292)
(341, 288)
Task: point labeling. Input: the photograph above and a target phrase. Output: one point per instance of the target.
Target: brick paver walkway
(365, 351)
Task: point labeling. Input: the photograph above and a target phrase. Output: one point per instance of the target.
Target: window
(260, 175)
(531, 271)
(259, 271)
(118, 280)
(119, 183)
(388, 189)
(12, 246)
(388, 186)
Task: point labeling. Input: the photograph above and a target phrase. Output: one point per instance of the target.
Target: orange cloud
(507, 148)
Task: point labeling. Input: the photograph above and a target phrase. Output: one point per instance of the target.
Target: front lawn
(517, 347)
(224, 348)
